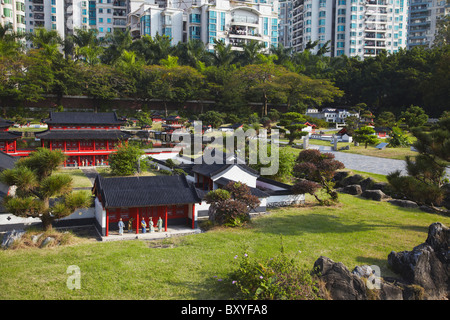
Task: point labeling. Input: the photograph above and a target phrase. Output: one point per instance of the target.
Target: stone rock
(340, 283)
(376, 195)
(35, 238)
(389, 291)
(427, 209)
(339, 176)
(428, 264)
(47, 241)
(10, 237)
(354, 189)
(404, 203)
(367, 184)
(380, 186)
(355, 179)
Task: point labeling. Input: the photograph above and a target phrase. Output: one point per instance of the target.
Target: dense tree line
(154, 68)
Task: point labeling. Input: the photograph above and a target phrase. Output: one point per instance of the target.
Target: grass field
(355, 232)
(79, 179)
(391, 153)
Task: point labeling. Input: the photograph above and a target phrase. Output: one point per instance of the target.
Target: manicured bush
(279, 278)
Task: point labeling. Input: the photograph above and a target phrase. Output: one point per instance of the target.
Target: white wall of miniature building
(237, 174)
(100, 213)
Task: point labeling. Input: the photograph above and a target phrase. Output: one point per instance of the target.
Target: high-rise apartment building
(285, 23)
(149, 17)
(351, 27)
(367, 27)
(12, 12)
(65, 16)
(423, 18)
(233, 22)
(297, 25)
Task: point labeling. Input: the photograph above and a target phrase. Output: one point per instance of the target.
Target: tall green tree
(414, 116)
(116, 43)
(426, 172)
(39, 193)
(259, 81)
(127, 160)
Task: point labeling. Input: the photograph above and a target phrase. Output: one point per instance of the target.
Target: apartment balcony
(237, 20)
(39, 16)
(377, 2)
(38, 9)
(120, 4)
(38, 1)
(120, 22)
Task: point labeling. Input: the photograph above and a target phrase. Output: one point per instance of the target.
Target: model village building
(8, 139)
(89, 138)
(178, 199)
(86, 138)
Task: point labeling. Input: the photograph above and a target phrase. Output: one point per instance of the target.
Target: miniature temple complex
(86, 138)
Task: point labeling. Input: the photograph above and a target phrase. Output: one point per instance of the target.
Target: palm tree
(283, 54)
(223, 55)
(8, 40)
(115, 44)
(193, 52)
(47, 40)
(153, 49)
(251, 51)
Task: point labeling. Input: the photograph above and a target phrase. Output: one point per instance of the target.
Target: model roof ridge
(79, 117)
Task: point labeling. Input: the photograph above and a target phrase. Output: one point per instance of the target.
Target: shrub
(279, 278)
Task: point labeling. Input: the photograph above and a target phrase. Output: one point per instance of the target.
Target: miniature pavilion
(86, 138)
(170, 198)
(8, 139)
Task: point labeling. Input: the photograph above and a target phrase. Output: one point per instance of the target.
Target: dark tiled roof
(83, 118)
(7, 161)
(10, 135)
(5, 123)
(210, 170)
(145, 191)
(83, 134)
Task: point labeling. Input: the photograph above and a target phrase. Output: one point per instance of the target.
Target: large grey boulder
(354, 189)
(404, 203)
(367, 184)
(339, 176)
(10, 237)
(354, 179)
(376, 195)
(428, 264)
(340, 283)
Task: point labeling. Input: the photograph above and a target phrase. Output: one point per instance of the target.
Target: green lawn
(391, 153)
(79, 179)
(356, 232)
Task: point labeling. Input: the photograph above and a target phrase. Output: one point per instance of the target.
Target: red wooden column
(165, 228)
(15, 146)
(137, 220)
(107, 223)
(193, 216)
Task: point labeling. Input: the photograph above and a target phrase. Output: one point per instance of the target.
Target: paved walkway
(172, 231)
(370, 164)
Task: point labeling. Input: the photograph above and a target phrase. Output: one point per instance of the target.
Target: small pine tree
(365, 135)
(38, 193)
